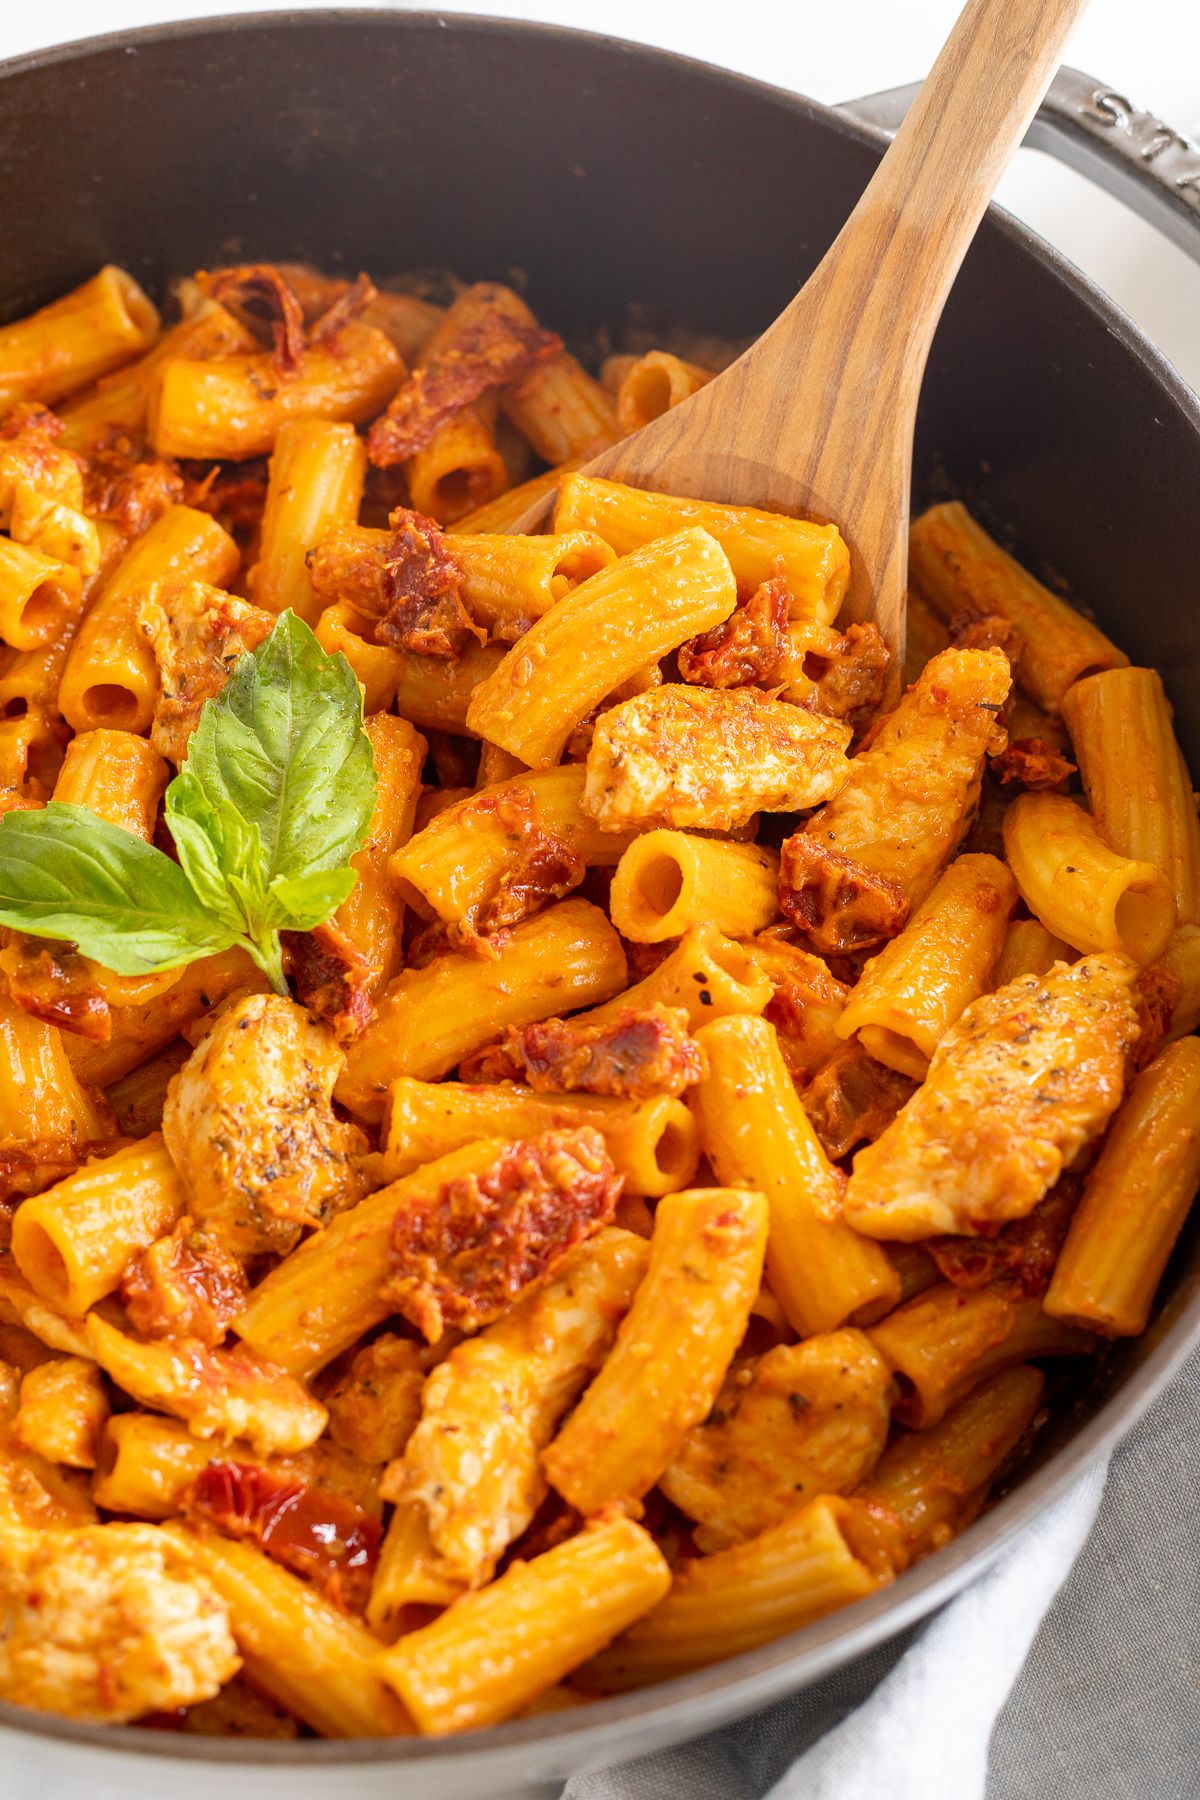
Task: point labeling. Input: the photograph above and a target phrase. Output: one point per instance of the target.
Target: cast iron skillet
(608, 173)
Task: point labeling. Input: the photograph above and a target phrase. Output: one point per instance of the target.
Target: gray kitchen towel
(1106, 1704)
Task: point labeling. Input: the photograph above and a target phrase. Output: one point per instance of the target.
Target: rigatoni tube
(1081, 890)
(1029, 949)
(629, 614)
(654, 1143)
(912, 992)
(1135, 778)
(430, 1018)
(707, 973)
(954, 563)
(493, 1652)
(739, 1598)
(943, 1343)
(299, 1648)
(233, 406)
(755, 1132)
(72, 1242)
(325, 1295)
(812, 559)
(460, 860)
(116, 775)
(65, 345)
(339, 629)
(653, 384)
(929, 1485)
(111, 676)
(1135, 1202)
(508, 581)
(672, 1349)
(314, 486)
(39, 596)
(669, 880)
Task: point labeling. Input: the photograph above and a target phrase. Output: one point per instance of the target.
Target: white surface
(930, 1723)
(1148, 51)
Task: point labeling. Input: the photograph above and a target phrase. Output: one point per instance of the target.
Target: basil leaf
(215, 850)
(276, 792)
(282, 749)
(308, 900)
(274, 797)
(64, 873)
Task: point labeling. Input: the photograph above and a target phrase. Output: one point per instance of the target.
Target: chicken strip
(197, 633)
(713, 757)
(851, 877)
(250, 1126)
(1028, 1077)
(107, 1622)
(805, 1419)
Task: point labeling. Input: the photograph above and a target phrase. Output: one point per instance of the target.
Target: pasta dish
(562, 1114)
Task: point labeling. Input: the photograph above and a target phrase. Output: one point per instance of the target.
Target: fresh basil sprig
(272, 801)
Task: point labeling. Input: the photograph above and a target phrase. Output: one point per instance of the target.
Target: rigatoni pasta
(1137, 784)
(632, 613)
(547, 1126)
(912, 992)
(957, 565)
(59, 349)
(1135, 1201)
(1079, 888)
(754, 1131)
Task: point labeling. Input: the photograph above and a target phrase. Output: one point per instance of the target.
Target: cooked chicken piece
(41, 490)
(64, 1408)
(686, 756)
(226, 1394)
(375, 1404)
(108, 1622)
(900, 816)
(251, 1128)
(1028, 1077)
(197, 633)
(490, 1409)
(805, 1419)
(34, 1493)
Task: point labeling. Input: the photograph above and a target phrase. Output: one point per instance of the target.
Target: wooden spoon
(817, 417)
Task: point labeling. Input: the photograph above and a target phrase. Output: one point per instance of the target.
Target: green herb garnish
(274, 798)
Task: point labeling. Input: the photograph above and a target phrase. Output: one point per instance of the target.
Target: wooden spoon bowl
(817, 417)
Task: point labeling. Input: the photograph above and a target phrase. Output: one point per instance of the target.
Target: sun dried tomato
(466, 1254)
(311, 1531)
(488, 353)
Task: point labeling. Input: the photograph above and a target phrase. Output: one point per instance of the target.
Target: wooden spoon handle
(897, 255)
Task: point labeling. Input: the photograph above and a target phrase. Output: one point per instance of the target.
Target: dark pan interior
(609, 174)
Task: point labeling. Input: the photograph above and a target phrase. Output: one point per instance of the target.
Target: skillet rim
(690, 1705)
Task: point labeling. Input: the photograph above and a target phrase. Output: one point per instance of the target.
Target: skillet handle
(1133, 155)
